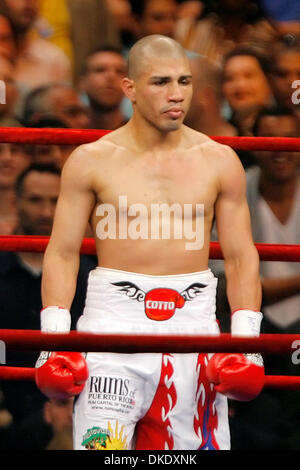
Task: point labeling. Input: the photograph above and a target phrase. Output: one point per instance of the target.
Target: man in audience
(37, 60)
(37, 190)
(274, 200)
(14, 158)
(156, 16)
(102, 82)
(58, 416)
(273, 193)
(50, 154)
(246, 89)
(245, 86)
(49, 428)
(285, 74)
(58, 100)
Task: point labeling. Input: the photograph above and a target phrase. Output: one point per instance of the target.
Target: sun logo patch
(98, 438)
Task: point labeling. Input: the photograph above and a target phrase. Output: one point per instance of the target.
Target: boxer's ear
(128, 89)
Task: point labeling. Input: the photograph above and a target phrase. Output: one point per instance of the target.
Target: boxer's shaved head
(159, 82)
(154, 46)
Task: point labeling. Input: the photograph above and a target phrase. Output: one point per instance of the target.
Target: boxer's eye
(161, 81)
(185, 81)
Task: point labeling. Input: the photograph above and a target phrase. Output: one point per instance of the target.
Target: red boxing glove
(236, 376)
(61, 375)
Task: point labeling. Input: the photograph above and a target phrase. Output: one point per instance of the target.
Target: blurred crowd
(61, 66)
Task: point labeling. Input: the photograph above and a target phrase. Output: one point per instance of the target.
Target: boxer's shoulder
(220, 158)
(210, 147)
(203, 141)
(93, 153)
(89, 163)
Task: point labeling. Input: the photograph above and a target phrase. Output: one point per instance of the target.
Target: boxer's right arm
(59, 375)
(74, 206)
(63, 374)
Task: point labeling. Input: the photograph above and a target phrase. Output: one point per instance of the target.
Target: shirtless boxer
(153, 277)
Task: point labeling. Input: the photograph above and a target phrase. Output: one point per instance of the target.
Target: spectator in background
(271, 421)
(14, 158)
(37, 60)
(7, 76)
(224, 25)
(59, 100)
(78, 27)
(50, 154)
(101, 80)
(49, 428)
(245, 86)
(58, 415)
(205, 113)
(37, 190)
(54, 24)
(246, 89)
(285, 72)
(8, 45)
(273, 193)
(285, 16)
(274, 198)
(155, 16)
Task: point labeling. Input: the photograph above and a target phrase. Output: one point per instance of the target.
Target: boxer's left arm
(239, 376)
(241, 260)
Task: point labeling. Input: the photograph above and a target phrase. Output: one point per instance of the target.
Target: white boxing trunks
(149, 401)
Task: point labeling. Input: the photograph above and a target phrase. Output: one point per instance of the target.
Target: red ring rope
(271, 381)
(83, 136)
(283, 382)
(120, 343)
(267, 252)
(17, 373)
(35, 340)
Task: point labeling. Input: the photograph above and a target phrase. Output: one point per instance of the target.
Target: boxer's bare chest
(177, 177)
